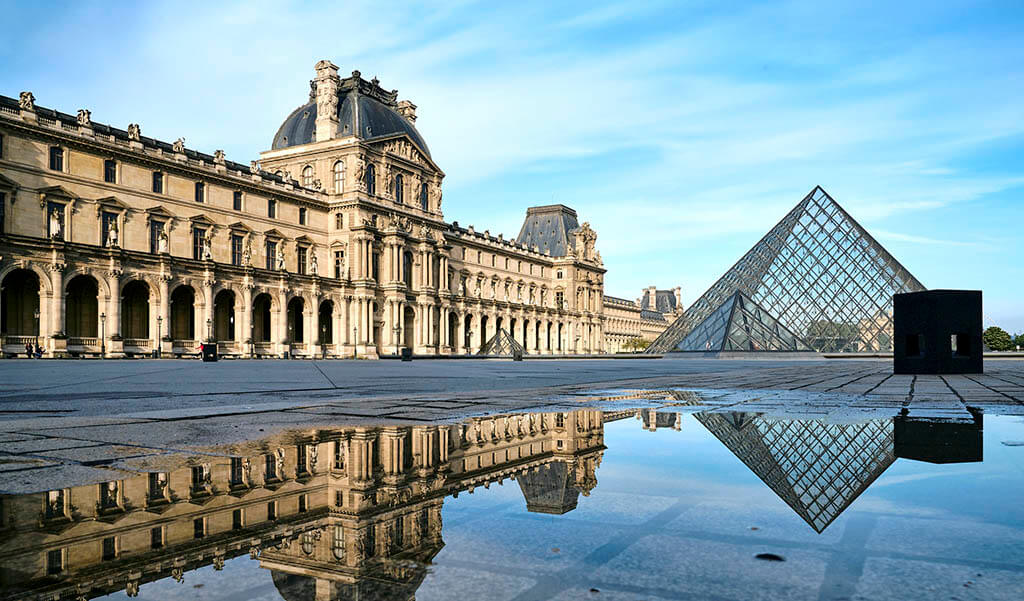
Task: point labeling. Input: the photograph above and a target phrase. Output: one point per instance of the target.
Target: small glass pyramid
(739, 324)
(501, 344)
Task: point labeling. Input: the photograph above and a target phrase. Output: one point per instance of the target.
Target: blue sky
(682, 131)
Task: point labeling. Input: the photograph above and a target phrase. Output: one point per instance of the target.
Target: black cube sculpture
(937, 332)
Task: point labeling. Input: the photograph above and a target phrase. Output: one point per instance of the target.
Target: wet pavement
(719, 481)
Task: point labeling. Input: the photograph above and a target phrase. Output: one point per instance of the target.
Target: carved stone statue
(112, 235)
(134, 132)
(280, 256)
(208, 247)
(84, 117)
(361, 173)
(162, 242)
(27, 101)
(424, 232)
(254, 167)
(389, 181)
(462, 287)
(313, 457)
(218, 157)
(314, 267)
(55, 223)
(179, 145)
(279, 457)
(247, 252)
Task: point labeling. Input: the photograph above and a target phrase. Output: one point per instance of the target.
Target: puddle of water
(588, 504)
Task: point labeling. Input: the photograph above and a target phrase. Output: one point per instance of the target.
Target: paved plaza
(79, 420)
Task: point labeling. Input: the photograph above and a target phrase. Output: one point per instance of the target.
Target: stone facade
(631, 325)
(332, 244)
(342, 511)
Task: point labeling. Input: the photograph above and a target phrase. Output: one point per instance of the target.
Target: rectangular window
(157, 486)
(54, 504)
(236, 249)
(339, 499)
(236, 471)
(302, 503)
(236, 202)
(375, 267)
(339, 259)
(1, 146)
(158, 182)
(339, 455)
(3, 210)
(56, 158)
(271, 208)
(236, 520)
(270, 471)
(301, 253)
(301, 466)
(272, 510)
(156, 538)
(198, 235)
(559, 300)
(155, 227)
(199, 528)
(339, 221)
(200, 192)
(110, 171)
(109, 220)
(55, 562)
(271, 252)
(110, 548)
(302, 215)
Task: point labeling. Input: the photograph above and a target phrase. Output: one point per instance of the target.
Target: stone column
(57, 304)
(246, 321)
(113, 304)
(165, 312)
(346, 307)
(312, 331)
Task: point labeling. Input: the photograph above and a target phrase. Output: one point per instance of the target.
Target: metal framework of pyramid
(820, 274)
(502, 343)
(817, 468)
(739, 324)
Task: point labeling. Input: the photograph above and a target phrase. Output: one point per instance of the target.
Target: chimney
(408, 110)
(327, 83)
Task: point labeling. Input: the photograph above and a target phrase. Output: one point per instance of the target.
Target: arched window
(339, 177)
(371, 178)
(399, 189)
(307, 176)
(424, 203)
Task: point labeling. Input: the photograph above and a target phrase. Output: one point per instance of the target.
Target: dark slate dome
(363, 110)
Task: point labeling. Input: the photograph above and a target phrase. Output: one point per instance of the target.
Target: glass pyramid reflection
(739, 324)
(817, 468)
(502, 343)
(820, 274)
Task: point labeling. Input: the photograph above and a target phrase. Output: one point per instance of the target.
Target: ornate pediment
(159, 211)
(56, 193)
(304, 239)
(273, 233)
(201, 220)
(110, 203)
(238, 226)
(403, 147)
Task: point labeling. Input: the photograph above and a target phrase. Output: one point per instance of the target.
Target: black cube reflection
(937, 332)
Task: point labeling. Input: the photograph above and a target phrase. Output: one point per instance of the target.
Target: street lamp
(159, 334)
(323, 340)
(103, 335)
(397, 330)
(209, 330)
(36, 315)
(252, 335)
(355, 349)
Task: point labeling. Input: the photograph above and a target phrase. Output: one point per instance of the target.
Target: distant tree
(634, 345)
(997, 339)
(1018, 341)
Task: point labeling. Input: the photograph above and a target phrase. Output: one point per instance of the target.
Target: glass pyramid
(817, 468)
(820, 274)
(502, 343)
(739, 324)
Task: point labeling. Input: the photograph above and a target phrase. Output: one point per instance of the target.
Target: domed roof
(364, 110)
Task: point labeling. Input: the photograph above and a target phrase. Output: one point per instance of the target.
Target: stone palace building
(332, 244)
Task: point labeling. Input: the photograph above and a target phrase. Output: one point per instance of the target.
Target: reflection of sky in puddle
(676, 513)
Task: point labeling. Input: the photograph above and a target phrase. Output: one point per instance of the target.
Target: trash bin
(406, 354)
(209, 352)
(517, 355)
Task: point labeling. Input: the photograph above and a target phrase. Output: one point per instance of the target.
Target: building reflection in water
(355, 512)
(349, 513)
(819, 468)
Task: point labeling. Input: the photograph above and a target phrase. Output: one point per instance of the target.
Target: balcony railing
(139, 343)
